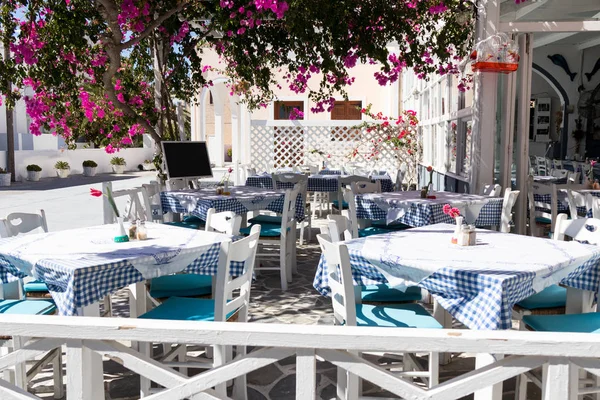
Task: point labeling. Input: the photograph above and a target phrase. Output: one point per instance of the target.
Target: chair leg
(146, 349)
(220, 354)
(302, 225)
(342, 382)
(240, 390)
(283, 267)
(181, 357)
(20, 368)
(57, 371)
(521, 387)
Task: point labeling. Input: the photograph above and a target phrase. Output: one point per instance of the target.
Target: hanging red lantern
(497, 54)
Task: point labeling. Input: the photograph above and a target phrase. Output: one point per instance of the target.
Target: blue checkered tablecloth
(316, 183)
(241, 200)
(477, 285)
(428, 213)
(81, 266)
(330, 172)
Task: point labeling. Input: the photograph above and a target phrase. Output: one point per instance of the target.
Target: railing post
(306, 374)
(560, 380)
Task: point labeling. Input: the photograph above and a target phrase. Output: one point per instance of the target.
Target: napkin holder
(467, 236)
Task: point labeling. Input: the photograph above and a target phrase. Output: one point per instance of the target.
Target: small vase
(457, 230)
(226, 187)
(121, 233)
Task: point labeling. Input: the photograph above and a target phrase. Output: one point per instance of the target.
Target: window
(283, 109)
(347, 110)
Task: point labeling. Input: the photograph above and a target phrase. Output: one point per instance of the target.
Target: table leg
(579, 301)
(493, 392)
(445, 319)
(88, 378)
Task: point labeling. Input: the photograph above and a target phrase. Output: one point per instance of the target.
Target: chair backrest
(557, 164)
(559, 173)
(575, 199)
(510, 198)
(250, 171)
(227, 297)
(542, 168)
(593, 203)
(366, 187)
(224, 222)
(309, 169)
(351, 212)
(492, 190)
(573, 178)
(5, 233)
(343, 297)
(581, 229)
(151, 200)
(134, 208)
(535, 207)
(288, 216)
(338, 227)
(399, 179)
(289, 178)
(18, 223)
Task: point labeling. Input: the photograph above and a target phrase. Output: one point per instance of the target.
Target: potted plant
(4, 177)
(89, 168)
(33, 172)
(118, 164)
(148, 165)
(62, 169)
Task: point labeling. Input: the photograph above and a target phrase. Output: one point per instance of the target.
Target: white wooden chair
(492, 190)
(575, 199)
(399, 180)
(539, 218)
(510, 198)
(583, 230)
(559, 173)
(302, 182)
(133, 209)
(284, 235)
(348, 311)
(15, 224)
(573, 178)
(593, 203)
(365, 187)
(346, 181)
(309, 169)
(542, 166)
(151, 199)
(231, 303)
(557, 164)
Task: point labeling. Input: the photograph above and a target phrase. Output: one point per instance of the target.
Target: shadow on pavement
(72, 180)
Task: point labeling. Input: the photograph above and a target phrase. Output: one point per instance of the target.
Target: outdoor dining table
(317, 183)
(241, 200)
(410, 209)
(478, 285)
(81, 266)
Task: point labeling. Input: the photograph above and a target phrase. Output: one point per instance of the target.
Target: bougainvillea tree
(108, 70)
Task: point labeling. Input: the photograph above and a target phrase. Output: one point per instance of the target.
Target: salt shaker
(142, 233)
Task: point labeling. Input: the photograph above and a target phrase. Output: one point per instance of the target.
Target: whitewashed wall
(47, 158)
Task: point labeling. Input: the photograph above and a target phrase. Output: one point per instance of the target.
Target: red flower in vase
(96, 192)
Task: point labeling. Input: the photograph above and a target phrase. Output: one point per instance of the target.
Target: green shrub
(34, 167)
(117, 161)
(90, 163)
(62, 165)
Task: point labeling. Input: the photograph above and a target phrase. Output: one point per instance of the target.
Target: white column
(507, 137)
(218, 157)
(235, 139)
(202, 114)
(484, 109)
(522, 150)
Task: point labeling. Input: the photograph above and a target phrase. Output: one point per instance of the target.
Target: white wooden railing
(522, 352)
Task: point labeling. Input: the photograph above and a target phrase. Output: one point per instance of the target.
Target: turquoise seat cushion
(396, 226)
(580, 323)
(266, 230)
(192, 219)
(551, 297)
(543, 220)
(184, 309)
(182, 285)
(398, 315)
(27, 307)
(336, 204)
(265, 219)
(370, 231)
(35, 287)
(183, 224)
(384, 293)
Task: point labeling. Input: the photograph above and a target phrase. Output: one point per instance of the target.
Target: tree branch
(153, 25)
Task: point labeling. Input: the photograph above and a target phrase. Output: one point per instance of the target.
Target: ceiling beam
(589, 43)
(520, 10)
(550, 26)
(551, 38)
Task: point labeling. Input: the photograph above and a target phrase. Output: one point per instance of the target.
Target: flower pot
(89, 171)
(63, 173)
(33, 176)
(118, 169)
(5, 179)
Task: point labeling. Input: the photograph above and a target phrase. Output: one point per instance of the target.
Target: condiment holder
(138, 231)
(467, 235)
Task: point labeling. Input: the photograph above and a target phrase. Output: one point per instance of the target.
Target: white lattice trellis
(287, 143)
